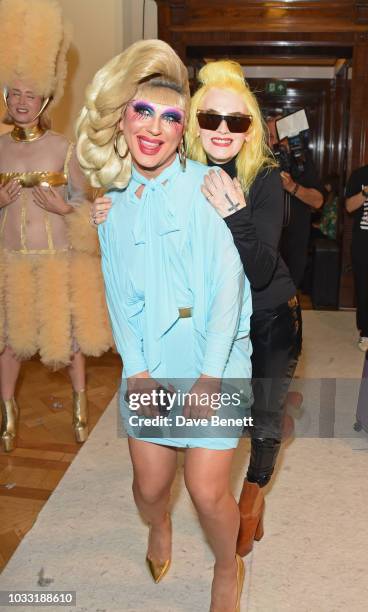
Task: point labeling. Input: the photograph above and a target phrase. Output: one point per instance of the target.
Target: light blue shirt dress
(162, 252)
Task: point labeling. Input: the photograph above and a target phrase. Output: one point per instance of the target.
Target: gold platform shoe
(80, 415)
(9, 422)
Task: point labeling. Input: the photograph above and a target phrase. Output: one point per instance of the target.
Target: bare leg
(9, 372)
(77, 371)
(154, 468)
(207, 476)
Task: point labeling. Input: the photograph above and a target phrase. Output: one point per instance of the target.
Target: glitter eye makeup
(144, 110)
(172, 115)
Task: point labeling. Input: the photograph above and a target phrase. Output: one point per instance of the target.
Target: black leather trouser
(276, 336)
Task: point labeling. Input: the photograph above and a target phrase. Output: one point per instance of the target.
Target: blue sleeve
(123, 311)
(230, 297)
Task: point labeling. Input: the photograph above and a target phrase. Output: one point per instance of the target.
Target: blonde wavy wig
(254, 154)
(148, 67)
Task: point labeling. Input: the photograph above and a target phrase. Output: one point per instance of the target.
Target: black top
(256, 231)
(359, 179)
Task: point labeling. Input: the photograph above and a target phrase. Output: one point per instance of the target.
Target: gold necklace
(27, 134)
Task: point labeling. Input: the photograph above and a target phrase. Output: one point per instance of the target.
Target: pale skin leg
(9, 372)
(77, 371)
(207, 477)
(10, 367)
(154, 468)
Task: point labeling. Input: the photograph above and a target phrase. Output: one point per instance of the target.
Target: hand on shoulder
(100, 210)
(223, 193)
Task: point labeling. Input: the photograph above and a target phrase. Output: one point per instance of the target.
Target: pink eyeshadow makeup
(145, 110)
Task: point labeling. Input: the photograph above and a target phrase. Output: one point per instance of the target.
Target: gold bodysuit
(52, 297)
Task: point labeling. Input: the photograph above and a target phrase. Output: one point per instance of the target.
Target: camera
(295, 129)
(282, 157)
(298, 145)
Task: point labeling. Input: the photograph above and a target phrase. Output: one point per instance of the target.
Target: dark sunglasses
(236, 124)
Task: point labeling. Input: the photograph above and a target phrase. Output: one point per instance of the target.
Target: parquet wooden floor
(46, 444)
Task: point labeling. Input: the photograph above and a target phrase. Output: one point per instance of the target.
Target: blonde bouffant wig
(34, 39)
(254, 154)
(148, 67)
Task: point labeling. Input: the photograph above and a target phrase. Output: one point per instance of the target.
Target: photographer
(300, 180)
(357, 205)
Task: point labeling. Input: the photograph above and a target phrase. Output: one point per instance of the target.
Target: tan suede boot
(251, 506)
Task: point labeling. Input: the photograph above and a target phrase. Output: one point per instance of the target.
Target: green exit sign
(277, 88)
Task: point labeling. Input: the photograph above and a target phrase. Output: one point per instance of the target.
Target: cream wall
(133, 20)
(98, 36)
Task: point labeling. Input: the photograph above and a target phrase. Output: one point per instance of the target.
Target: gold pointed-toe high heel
(158, 569)
(8, 431)
(80, 415)
(240, 573)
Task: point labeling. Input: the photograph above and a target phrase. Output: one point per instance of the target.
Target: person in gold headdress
(51, 291)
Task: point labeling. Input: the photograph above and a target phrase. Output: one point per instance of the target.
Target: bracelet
(364, 193)
(295, 190)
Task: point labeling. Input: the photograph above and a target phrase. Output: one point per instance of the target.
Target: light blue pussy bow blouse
(166, 250)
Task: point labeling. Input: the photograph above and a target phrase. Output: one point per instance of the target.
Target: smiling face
(23, 104)
(153, 133)
(221, 145)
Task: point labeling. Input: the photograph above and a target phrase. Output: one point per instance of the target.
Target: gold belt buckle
(185, 313)
(293, 302)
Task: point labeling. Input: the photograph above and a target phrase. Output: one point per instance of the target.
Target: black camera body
(293, 155)
(282, 157)
(298, 145)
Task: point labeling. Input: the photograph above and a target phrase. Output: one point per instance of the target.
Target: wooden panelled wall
(292, 28)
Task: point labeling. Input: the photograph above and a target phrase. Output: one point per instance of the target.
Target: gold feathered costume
(51, 288)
